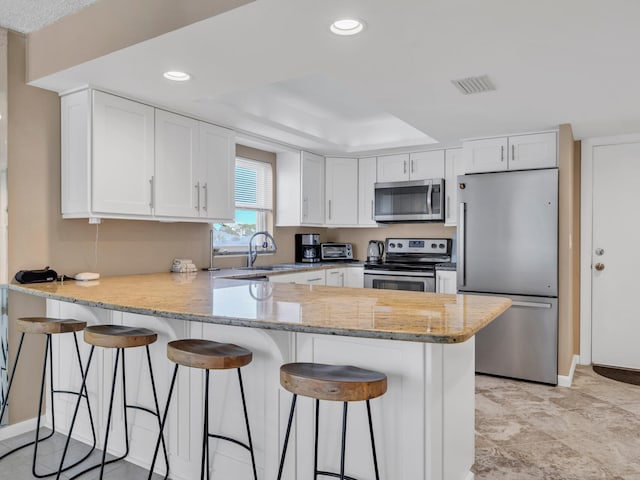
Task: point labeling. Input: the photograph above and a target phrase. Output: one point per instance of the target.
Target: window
(253, 197)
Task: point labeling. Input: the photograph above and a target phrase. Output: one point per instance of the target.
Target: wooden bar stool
(208, 355)
(48, 326)
(337, 383)
(121, 338)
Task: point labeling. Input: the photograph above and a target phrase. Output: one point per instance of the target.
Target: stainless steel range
(409, 264)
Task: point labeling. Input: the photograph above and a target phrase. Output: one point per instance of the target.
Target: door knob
(599, 266)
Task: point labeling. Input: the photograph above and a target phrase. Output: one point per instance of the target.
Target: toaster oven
(336, 251)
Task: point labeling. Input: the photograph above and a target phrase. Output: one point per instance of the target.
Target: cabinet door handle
(413, 162)
(314, 279)
(329, 209)
(197, 187)
(305, 207)
(371, 209)
(206, 197)
(448, 204)
(151, 182)
(502, 153)
(513, 152)
(405, 166)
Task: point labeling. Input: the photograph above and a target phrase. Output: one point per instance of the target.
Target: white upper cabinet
(486, 155)
(124, 159)
(533, 151)
(123, 156)
(426, 165)
(299, 189)
(177, 181)
(367, 175)
(414, 166)
(393, 168)
(518, 152)
(217, 172)
(341, 192)
(453, 167)
(312, 189)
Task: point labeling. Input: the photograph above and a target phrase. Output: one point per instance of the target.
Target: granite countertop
(358, 312)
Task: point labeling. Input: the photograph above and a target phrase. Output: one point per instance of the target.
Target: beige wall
(568, 250)
(107, 26)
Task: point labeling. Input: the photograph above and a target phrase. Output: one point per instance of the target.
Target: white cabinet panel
(486, 155)
(453, 167)
(335, 277)
(426, 165)
(446, 281)
(354, 277)
(532, 151)
(310, 277)
(393, 168)
(341, 192)
(367, 174)
(312, 189)
(177, 180)
(123, 155)
(299, 189)
(217, 172)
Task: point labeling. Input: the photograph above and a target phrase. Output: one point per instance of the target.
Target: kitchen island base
(424, 424)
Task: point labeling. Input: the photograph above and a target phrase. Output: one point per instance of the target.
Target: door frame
(586, 234)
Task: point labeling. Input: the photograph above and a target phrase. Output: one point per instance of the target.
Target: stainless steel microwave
(412, 201)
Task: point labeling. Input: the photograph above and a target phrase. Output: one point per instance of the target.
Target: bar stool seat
(207, 354)
(340, 383)
(49, 326)
(119, 336)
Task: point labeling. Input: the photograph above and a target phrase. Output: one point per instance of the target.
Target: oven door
(410, 281)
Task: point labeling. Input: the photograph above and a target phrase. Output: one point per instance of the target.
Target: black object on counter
(36, 276)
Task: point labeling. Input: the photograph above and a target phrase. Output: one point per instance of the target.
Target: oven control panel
(440, 246)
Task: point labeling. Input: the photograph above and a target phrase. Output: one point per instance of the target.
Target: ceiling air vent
(474, 85)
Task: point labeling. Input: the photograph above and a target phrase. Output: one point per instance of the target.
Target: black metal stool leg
(205, 435)
(109, 415)
(373, 442)
(84, 392)
(47, 356)
(286, 437)
(83, 387)
(315, 448)
(13, 373)
(246, 420)
(163, 422)
(155, 401)
(344, 440)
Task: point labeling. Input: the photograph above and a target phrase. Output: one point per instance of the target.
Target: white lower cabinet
(354, 277)
(446, 281)
(335, 277)
(310, 277)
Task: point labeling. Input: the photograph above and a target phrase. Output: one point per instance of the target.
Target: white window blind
(254, 185)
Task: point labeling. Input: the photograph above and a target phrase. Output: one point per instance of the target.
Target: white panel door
(486, 155)
(393, 168)
(177, 184)
(426, 165)
(532, 151)
(123, 155)
(312, 189)
(615, 325)
(217, 172)
(341, 191)
(367, 174)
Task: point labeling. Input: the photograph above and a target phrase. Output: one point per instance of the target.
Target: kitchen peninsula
(424, 343)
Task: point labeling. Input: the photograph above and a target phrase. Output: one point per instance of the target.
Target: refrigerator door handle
(461, 245)
(531, 304)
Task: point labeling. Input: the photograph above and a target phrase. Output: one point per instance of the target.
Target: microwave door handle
(429, 200)
(462, 280)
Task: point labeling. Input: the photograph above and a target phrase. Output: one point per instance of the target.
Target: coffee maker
(307, 247)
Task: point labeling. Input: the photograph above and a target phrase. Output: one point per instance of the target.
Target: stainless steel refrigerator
(508, 246)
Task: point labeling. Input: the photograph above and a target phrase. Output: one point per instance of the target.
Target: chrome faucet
(253, 254)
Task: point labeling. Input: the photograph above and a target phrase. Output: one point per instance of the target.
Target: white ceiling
(27, 16)
(273, 68)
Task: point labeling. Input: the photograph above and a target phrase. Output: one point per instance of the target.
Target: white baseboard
(16, 429)
(566, 380)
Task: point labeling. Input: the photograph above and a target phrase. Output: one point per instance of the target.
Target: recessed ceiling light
(347, 26)
(177, 76)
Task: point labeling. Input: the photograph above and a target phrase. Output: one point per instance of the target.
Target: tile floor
(524, 431)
